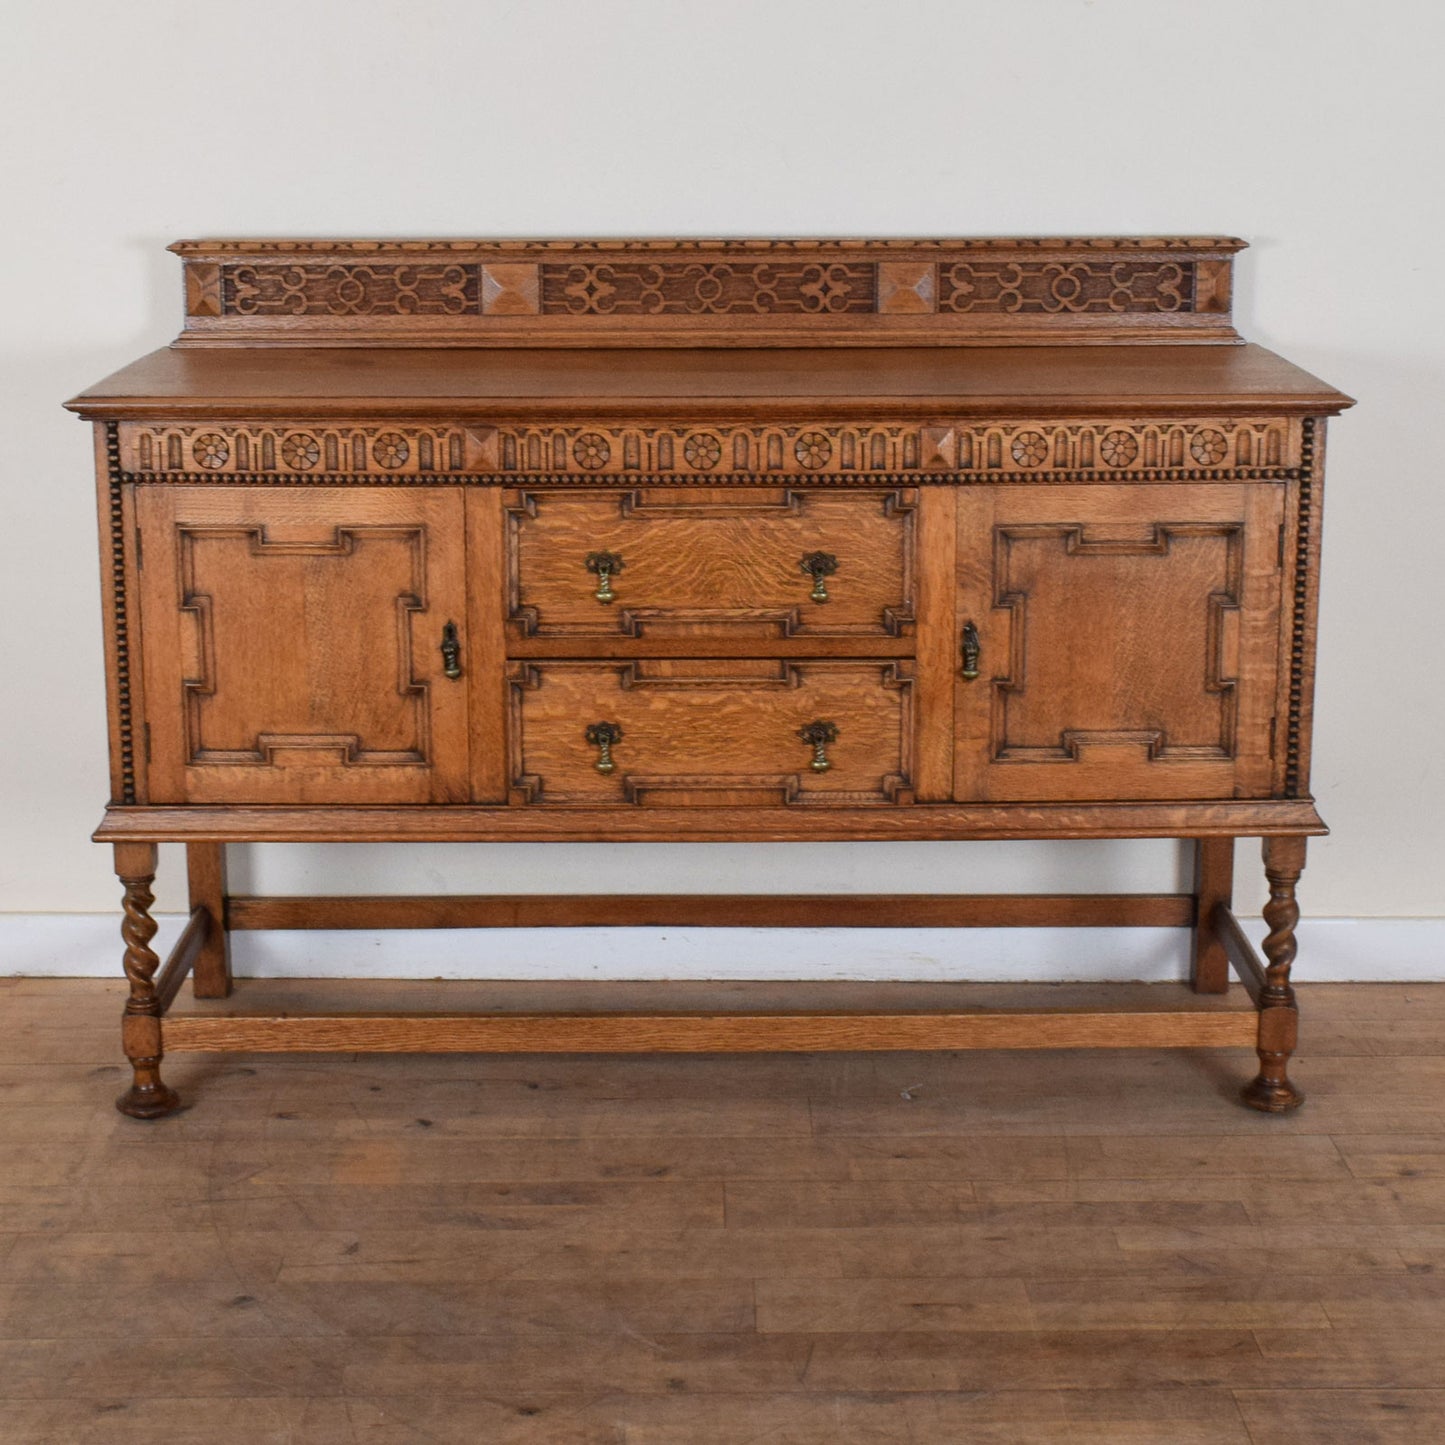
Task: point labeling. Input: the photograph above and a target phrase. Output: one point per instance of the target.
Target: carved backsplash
(737, 292)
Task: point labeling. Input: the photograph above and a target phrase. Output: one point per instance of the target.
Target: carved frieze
(387, 452)
(1052, 287)
(422, 289)
(1103, 450)
(726, 292)
(687, 288)
(678, 288)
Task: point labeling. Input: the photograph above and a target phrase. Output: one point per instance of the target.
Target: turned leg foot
(1271, 1090)
(148, 1097)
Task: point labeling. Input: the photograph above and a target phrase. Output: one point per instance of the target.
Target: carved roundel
(813, 449)
(211, 450)
(1208, 447)
(1029, 449)
(591, 450)
(390, 449)
(703, 450)
(1118, 448)
(301, 451)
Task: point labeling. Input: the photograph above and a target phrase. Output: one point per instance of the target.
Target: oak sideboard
(676, 540)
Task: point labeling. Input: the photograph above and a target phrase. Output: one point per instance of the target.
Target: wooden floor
(851, 1249)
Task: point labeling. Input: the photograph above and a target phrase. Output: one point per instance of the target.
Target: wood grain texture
(442, 824)
(208, 887)
(485, 645)
(1064, 1247)
(1242, 957)
(752, 1032)
(354, 384)
(355, 706)
(1214, 890)
(705, 564)
(182, 959)
(937, 642)
(892, 910)
(702, 733)
(1072, 590)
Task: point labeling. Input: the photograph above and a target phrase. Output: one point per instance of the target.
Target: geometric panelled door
(294, 644)
(1126, 641)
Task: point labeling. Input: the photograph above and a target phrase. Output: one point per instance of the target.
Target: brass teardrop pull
(818, 735)
(604, 736)
(604, 566)
(819, 566)
(451, 651)
(970, 651)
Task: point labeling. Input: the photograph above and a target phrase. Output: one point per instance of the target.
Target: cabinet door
(1126, 641)
(292, 644)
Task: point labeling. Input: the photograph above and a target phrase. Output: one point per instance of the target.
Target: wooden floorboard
(781, 1249)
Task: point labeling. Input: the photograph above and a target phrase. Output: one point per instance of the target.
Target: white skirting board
(86, 945)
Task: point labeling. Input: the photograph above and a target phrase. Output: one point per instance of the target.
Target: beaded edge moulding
(708, 292)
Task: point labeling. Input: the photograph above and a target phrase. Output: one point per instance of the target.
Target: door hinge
(1273, 728)
(1279, 556)
(139, 551)
(147, 730)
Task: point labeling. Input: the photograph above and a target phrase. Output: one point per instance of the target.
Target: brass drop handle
(819, 566)
(970, 651)
(818, 735)
(604, 566)
(451, 651)
(604, 736)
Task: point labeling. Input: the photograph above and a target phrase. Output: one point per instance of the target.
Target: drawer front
(722, 562)
(722, 733)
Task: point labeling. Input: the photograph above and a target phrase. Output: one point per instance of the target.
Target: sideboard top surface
(240, 382)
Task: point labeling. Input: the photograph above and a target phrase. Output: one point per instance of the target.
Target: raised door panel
(292, 644)
(1125, 641)
(687, 732)
(680, 562)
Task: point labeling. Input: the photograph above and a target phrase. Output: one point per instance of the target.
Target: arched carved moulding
(1103, 450)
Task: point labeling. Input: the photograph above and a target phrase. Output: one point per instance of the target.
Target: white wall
(1312, 127)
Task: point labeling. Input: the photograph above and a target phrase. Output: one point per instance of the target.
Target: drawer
(720, 733)
(685, 562)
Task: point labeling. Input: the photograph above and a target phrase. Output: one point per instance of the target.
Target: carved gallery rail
(685, 540)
